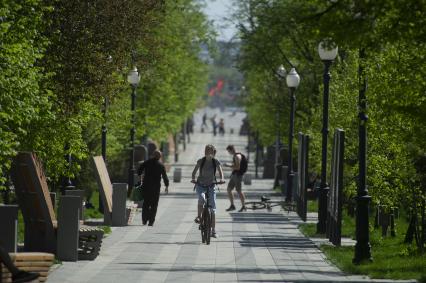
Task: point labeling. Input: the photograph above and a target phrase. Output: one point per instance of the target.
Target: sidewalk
(252, 246)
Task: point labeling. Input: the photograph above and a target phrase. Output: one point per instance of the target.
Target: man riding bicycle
(207, 167)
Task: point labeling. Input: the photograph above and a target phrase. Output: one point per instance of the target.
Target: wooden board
(104, 182)
(34, 200)
(32, 257)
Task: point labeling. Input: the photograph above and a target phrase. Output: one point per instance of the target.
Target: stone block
(68, 228)
(9, 227)
(119, 197)
(177, 175)
(80, 194)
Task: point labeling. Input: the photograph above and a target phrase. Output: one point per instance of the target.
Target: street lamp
(327, 53)
(362, 246)
(133, 79)
(280, 74)
(293, 81)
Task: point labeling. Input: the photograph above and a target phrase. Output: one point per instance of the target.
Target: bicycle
(268, 204)
(206, 214)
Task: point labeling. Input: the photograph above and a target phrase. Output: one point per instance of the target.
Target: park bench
(30, 262)
(41, 225)
(113, 196)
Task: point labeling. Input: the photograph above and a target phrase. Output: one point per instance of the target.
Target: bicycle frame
(206, 214)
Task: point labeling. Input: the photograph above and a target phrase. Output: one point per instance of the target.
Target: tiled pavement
(252, 246)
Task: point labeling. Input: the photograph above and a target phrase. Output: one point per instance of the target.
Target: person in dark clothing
(151, 172)
(18, 275)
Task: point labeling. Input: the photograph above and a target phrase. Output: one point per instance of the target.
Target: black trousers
(149, 207)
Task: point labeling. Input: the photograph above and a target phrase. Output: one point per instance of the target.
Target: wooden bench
(39, 216)
(113, 196)
(31, 262)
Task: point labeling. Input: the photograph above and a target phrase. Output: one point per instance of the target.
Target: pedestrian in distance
(222, 127)
(207, 167)
(239, 168)
(214, 124)
(151, 172)
(18, 276)
(204, 124)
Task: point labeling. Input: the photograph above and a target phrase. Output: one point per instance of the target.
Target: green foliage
(22, 101)
(61, 59)
(288, 33)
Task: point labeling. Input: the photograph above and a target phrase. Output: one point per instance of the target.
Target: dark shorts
(235, 182)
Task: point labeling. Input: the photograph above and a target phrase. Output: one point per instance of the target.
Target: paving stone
(253, 246)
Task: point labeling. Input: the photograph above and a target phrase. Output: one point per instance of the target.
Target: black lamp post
(327, 55)
(362, 246)
(103, 148)
(104, 129)
(280, 74)
(293, 81)
(133, 79)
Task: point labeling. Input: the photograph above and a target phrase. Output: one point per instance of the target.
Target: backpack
(203, 160)
(243, 164)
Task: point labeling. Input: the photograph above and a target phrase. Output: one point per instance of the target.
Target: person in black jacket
(151, 172)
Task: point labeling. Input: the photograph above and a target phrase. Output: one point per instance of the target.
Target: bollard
(68, 228)
(119, 197)
(9, 227)
(247, 179)
(177, 175)
(80, 194)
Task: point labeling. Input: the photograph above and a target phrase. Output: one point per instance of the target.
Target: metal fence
(335, 197)
(302, 170)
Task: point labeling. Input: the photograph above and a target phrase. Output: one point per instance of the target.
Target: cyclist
(207, 167)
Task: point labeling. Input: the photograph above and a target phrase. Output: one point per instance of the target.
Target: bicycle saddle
(263, 198)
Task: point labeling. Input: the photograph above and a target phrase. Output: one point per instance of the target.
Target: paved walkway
(252, 246)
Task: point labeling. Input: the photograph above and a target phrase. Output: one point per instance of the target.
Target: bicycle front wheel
(255, 205)
(207, 225)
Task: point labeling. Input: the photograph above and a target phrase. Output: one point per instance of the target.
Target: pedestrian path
(252, 246)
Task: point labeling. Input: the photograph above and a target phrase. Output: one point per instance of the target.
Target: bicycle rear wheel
(207, 225)
(253, 205)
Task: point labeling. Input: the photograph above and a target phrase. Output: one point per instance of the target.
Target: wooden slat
(32, 257)
(104, 182)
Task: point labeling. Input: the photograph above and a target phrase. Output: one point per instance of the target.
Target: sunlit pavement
(252, 246)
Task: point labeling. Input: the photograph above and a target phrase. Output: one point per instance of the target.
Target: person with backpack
(207, 167)
(239, 167)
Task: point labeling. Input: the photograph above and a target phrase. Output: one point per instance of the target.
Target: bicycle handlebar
(214, 183)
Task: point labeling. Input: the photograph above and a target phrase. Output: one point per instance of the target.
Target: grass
(312, 205)
(392, 258)
(93, 212)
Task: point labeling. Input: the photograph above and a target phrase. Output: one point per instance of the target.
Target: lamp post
(133, 79)
(293, 81)
(104, 129)
(362, 246)
(281, 74)
(327, 55)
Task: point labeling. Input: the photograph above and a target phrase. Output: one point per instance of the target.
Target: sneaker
(197, 220)
(243, 208)
(232, 207)
(23, 276)
(213, 235)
